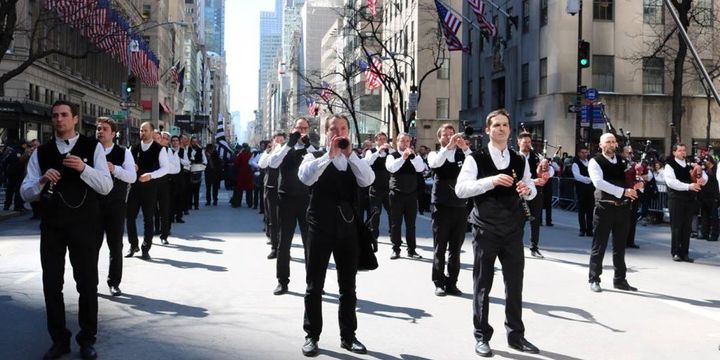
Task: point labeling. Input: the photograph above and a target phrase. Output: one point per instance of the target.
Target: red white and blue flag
(450, 25)
(478, 7)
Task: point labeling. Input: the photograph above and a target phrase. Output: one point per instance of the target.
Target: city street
(208, 295)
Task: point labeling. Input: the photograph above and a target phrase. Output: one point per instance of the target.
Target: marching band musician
(490, 177)
(270, 182)
(335, 176)
(379, 190)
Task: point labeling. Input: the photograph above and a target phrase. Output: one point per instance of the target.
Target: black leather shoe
(589, 234)
(164, 241)
(88, 352)
(157, 232)
(633, 246)
(354, 346)
(395, 255)
(280, 289)
(549, 224)
(582, 233)
(524, 346)
(145, 255)
(179, 221)
(536, 254)
(453, 290)
(56, 351)
(414, 255)
(310, 348)
(624, 286)
(272, 254)
(131, 252)
(595, 287)
(186, 212)
(115, 291)
(482, 348)
(676, 258)
(687, 259)
(440, 291)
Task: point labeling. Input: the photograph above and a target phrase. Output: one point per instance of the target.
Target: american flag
(372, 5)
(174, 73)
(449, 19)
(312, 107)
(326, 92)
(372, 73)
(224, 150)
(478, 7)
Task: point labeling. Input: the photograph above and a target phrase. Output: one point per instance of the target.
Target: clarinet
(524, 202)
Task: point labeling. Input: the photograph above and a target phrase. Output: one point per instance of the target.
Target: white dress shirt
(393, 165)
(97, 176)
(162, 159)
(311, 168)
(371, 156)
(551, 169)
(596, 176)
(125, 172)
(194, 152)
(173, 161)
(577, 175)
(672, 181)
(185, 159)
(468, 185)
(436, 159)
(277, 155)
(264, 160)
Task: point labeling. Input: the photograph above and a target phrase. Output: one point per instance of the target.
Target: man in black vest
(168, 214)
(293, 197)
(113, 206)
(404, 167)
(151, 163)
(68, 173)
(709, 198)
(682, 201)
(449, 216)
(270, 182)
(534, 159)
(185, 163)
(335, 176)
(612, 212)
(180, 182)
(198, 161)
(380, 188)
(584, 192)
(498, 180)
(164, 193)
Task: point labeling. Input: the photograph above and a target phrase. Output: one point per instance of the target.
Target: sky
(242, 47)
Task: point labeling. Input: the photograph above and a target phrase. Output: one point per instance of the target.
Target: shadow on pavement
(157, 307)
(383, 310)
(541, 355)
(652, 295)
(198, 237)
(192, 248)
(187, 264)
(372, 354)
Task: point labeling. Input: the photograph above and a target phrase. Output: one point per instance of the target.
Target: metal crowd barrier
(564, 196)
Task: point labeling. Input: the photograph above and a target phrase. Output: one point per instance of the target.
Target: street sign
(127, 104)
(585, 115)
(572, 108)
(591, 94)
(581, 89)
(598, 121)
(412, 102)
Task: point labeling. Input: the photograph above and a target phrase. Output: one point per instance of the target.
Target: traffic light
(583, 54)
(131, 84)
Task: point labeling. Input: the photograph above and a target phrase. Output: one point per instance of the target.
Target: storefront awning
(146, 104)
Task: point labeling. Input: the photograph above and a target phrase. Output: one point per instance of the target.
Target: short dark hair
(280, 133)
(524, 134)
(106, 120)
(493, 114)
(73, 107)
(443, 127)
(336, 116)
(380, 134)
(174, 137)
(581, 148)
(677, 145)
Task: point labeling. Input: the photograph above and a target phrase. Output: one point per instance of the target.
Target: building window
(697, 84)
(508, 25)
(542, 83)
(653, 75)
(30, 93)
(47, 96)
(526, 16)
(147, 9)
(37, 93)
(543, 12)
(469, 99)
(653, 12)
(525, 81)
(444, 72)
(52, 97)
(481, 92)
(442, 108)
(603, 72)
(704, 12)
(602, 9)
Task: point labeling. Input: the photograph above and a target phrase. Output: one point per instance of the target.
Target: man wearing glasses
(293, 196)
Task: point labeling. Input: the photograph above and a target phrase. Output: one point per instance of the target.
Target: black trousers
(79, 240)
(142, 196)
(682, 211)
(509, 249)
(194, 194)
(238, 196)
(111, 226)
(634, 212)
(536, 207)
(259, 197)
(364, 202)
(12, 195)
(448, 227)
(291, 211)
(272, 226)
(609, 219)
(709, 217)
(163, 206)
(178, 196)
(403, 206)
(378, 198)
(586, 204)
(186, 190)
(343, 245)
(212, 186)
(547, 192)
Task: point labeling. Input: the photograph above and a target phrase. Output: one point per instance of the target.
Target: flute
(523, 201)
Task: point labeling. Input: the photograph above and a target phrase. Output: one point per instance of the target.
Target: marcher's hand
(462, 143)
(111, 167)
(407, 153)
(503, 180)
(334, 149)
(51, 175)
(639, 185)
(293, 138)
(695, 187)
(452, 143)
(630, 193)
(385, 147)
(540, 181)
(701, 181)
(305, 140)
(74, 162)
(145, 177)
(522, 189)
